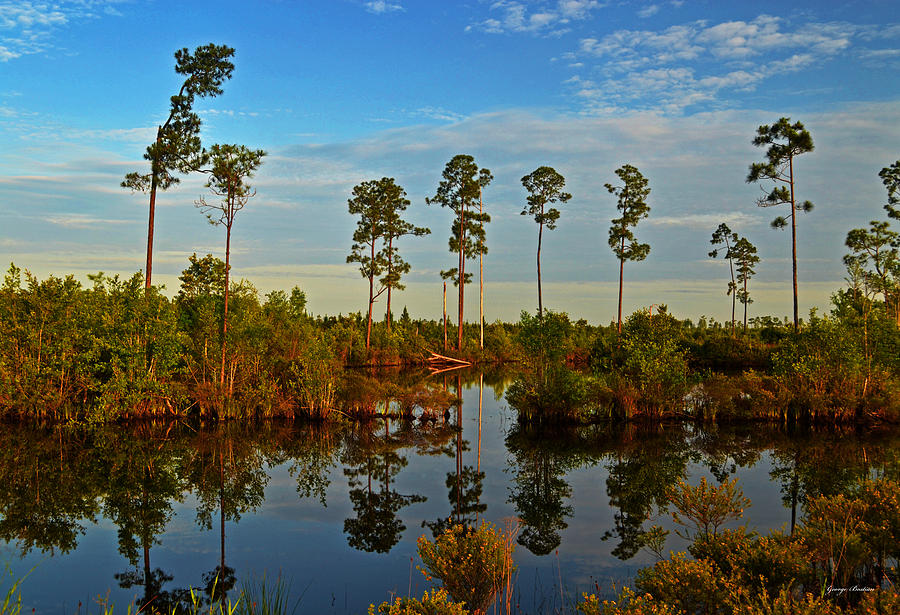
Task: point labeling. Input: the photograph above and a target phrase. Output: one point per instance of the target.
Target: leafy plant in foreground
(474, 564)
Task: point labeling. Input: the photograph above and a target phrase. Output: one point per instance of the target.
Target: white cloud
(297, 229)
(685, 64)
(26, 27)
(439, 113)
(547, 18)
(83, 221)
(648, 11)
(380, 7)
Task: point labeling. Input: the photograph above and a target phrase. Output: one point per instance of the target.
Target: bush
(706, 508)
(628, 603)
(474, 565)
(438, 603)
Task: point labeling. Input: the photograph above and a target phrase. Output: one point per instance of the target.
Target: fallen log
(439, 358)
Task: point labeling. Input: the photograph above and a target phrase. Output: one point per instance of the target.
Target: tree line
(380, 204)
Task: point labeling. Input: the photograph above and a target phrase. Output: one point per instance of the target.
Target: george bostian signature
(843, 590)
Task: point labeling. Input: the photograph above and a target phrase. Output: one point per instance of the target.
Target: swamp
(143, 511)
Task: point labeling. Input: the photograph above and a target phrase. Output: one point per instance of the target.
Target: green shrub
(691, 586)
(438, 603)
(628, 603)
(474, 564)
(705, 508)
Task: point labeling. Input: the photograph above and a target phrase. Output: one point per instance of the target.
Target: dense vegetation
(112, 349)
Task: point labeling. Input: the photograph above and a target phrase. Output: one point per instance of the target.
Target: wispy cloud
(83, 221)
(686, 64)
(379, 7)
(648, 11)
(541, 18)
(736, 220)
(439, 113)
(26, 27)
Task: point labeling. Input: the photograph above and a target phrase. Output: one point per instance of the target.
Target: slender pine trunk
(540, 301)
(227, 284)
(390, 286)
(371, 295)
(461, 271)
(745, 306)
(794, 247)
(621, 277)
(733, 287)
(154, 173)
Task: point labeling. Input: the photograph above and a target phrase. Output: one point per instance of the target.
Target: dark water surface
(155, 508)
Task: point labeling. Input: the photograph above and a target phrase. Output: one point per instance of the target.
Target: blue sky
(343, 91)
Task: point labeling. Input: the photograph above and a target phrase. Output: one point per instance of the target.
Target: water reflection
(591, 494)
(368, 457)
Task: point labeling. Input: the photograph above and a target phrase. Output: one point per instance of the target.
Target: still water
(128, 512)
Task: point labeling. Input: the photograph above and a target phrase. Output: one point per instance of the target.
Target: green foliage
(548, 391)
(853, 536)
(890, 177)
(632, 203)
(437, 603)
(628, 603)
(705, 508)
(690, 586)
(474, 564)
(314, 378)
(177, 146)
(785, 141)
(837, 368)
(545, 187)
(650, 374)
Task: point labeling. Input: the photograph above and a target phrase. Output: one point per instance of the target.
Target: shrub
(691, 586)
(628, 603)
(438, 603)
(473, 564)
(706, 508)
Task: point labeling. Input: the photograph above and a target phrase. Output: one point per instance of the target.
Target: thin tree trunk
(794, 248)
(745, 306)
(390, 263)
(148, 270)
(481, 281)
(733, 287)
(148, 574)
(540, 236)
(371, 292)
(461, 271)
(445, 317)
(621, 277)
(227, 284)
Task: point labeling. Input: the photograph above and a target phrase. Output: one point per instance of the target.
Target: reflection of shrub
(438, 603)
(473, 564)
